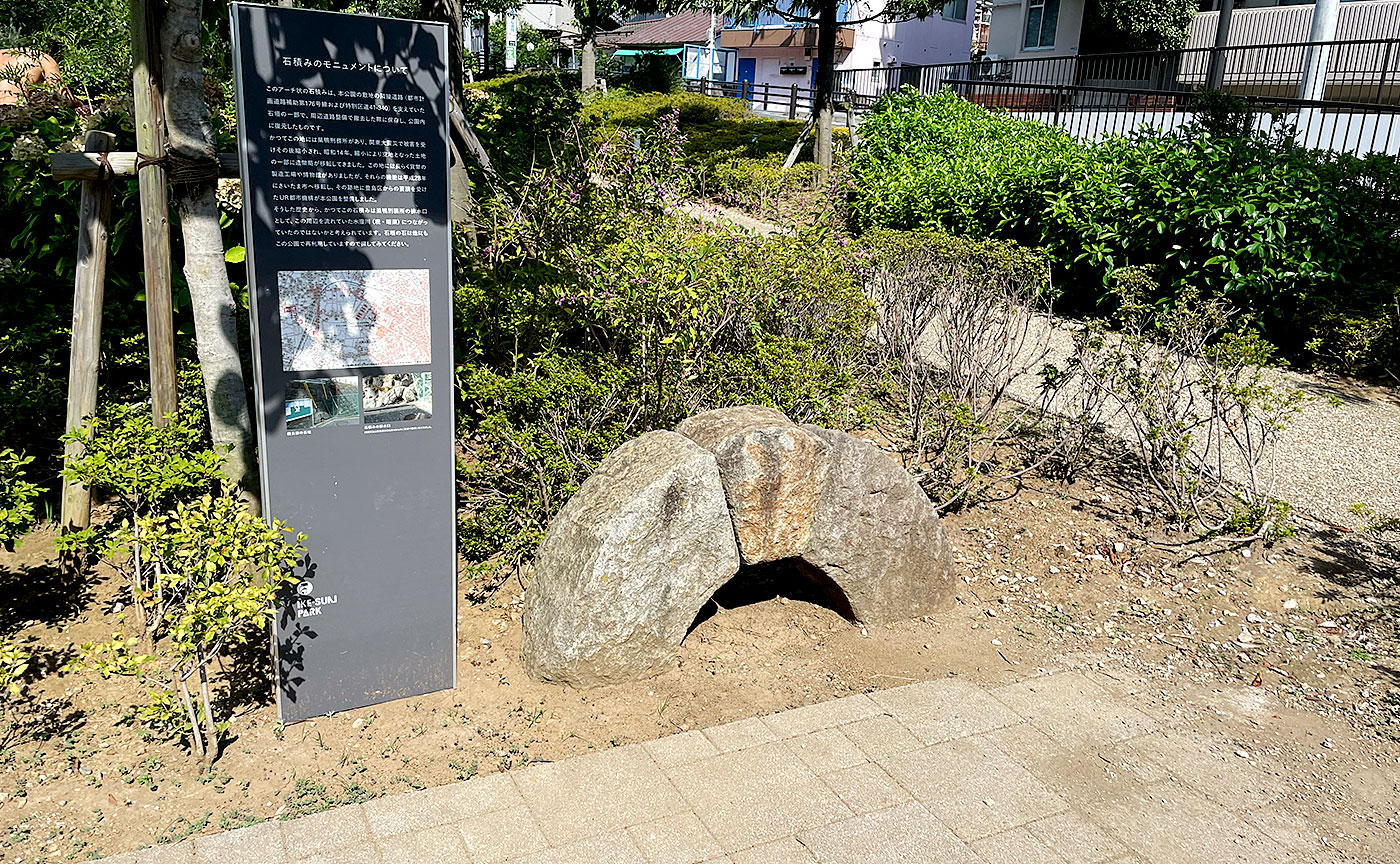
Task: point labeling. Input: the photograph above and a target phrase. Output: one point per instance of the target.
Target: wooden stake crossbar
(90, 166)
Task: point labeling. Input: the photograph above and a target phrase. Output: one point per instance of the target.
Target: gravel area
(1343, 448)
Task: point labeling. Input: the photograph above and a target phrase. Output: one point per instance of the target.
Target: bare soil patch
(1285, 653)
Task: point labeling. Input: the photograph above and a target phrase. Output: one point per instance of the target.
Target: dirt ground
(1289, 655)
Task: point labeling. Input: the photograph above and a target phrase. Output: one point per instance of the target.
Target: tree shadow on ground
(247, 673)
(1354, 561)
(43, 720)
(41, 593)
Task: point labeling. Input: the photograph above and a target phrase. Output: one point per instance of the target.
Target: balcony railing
(1361, 70)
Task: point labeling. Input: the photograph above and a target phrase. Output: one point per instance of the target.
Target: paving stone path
(1051, 769)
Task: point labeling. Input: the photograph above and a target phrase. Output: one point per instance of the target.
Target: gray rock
(627, 564)
(712, 428)
(773, 480)
(876, 535)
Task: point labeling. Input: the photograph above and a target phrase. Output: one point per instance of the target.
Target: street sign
(512, 39)
(343, 143)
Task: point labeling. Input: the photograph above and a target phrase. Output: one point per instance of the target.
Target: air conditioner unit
(995, 66)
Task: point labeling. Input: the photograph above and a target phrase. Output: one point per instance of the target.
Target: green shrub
(942, 162)
(1306, 239)
(641, 110)
(141, 466)
(143, 469)
(717, 131)
(90, 41)
(597, 314)
(222, 570)
(521, 119)
(16, 498)
(651, 73)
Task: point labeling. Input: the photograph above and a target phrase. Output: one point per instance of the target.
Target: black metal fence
(1094, 113)
(1358, 71)
(1083, 96)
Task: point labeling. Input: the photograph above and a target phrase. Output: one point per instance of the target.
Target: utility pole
(1216, 79)
(710, 58)
(1324, 29)
(1314, 89)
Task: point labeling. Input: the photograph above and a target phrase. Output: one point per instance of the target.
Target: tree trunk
(196, 734)
(485, 43)
(449, 12)
(194, 169)
(588, 65)
(211, 729)
(824, 99)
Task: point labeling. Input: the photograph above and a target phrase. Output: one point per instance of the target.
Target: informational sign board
(342, 125)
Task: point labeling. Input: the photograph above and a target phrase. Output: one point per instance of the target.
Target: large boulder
(712, 428)
(876, 535)
(773, 480)
(627, 564)
(635, 554)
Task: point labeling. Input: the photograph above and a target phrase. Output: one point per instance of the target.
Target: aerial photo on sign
(316, 402)
(343, 319)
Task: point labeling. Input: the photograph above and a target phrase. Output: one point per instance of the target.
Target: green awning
(638, 52)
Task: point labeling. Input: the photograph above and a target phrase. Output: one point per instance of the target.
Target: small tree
(826, 16)
(144, 468)
(1137, 25)
(593, 17)
(222, 571)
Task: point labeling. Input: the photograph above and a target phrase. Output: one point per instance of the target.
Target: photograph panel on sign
(397, 398)
(312, 403)
(344, 319)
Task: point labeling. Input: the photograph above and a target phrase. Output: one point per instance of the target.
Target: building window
(955, 10)
(1041, 18)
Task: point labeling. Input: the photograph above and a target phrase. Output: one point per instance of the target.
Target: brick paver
(1053, 769)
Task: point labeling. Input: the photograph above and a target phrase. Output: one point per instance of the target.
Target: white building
(775, 52)
(1035, 28)
(942, 38)
(1051, 28)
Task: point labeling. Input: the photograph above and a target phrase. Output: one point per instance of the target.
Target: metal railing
(1095, 113)
(1359, 70)
(791, 101)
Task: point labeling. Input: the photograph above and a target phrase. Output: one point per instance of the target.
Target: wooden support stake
(155, 204)
(94, 217)
(797, 147)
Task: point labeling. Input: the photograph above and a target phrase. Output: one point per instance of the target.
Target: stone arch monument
(669, 518)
